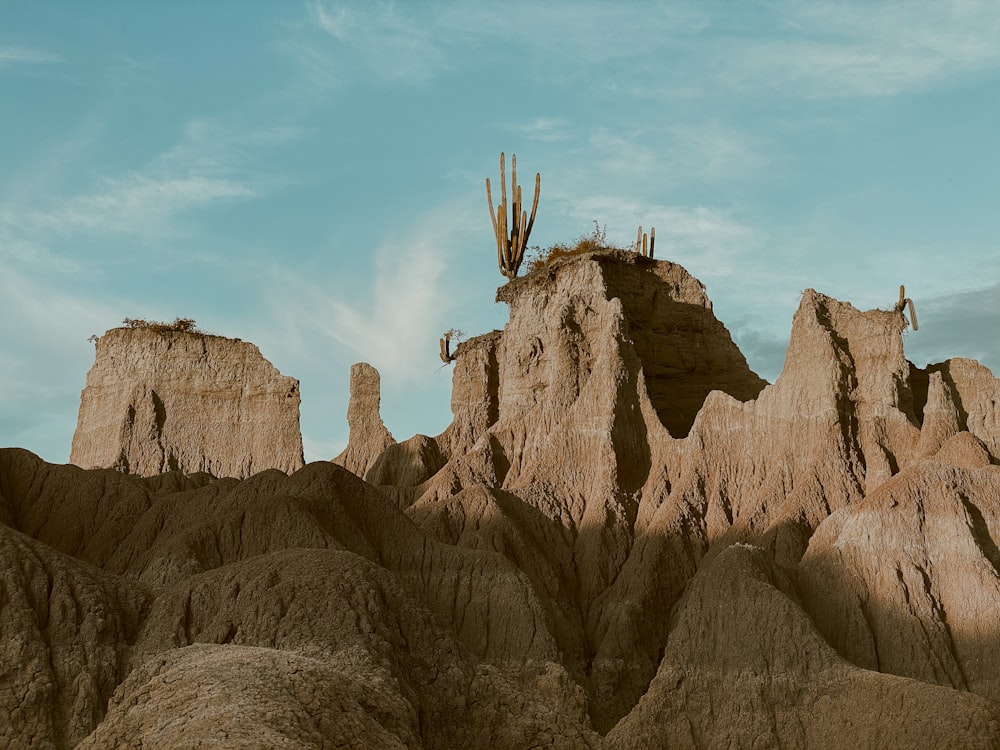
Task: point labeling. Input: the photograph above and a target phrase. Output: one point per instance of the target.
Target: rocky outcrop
(327, 615)
(173, 400)
(605, 454)
(368, 436)
(624, 539)
(745, 667)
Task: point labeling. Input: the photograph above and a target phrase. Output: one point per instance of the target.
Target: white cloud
(26, 55)
(579, 33)
(712, 150)
(211, 164)
(799, 48)
(621, 154)
(545, 129)
(414, 42)
(136, 204)
(30, 253)
(865, 49)
(700, 235)
(391, 45)
(395, 324)
(45, 358)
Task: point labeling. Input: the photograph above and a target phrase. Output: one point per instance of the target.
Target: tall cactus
(512, 237)
(903, 302)
(641, 247)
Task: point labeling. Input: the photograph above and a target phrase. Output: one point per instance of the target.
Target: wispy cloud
(136, 204)
(573, 34)
(210, 165)
(395, 323)
(23, 252)
(412, 43)
(713, 150)
(702, 235)
(622, 153)
(863, 49)
(45, 356)
(26, 56)
(385, 41)
(545, 129)
(800, 48)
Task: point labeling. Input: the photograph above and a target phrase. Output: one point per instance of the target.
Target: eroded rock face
(278, 609)
(629, 477)
(368, 435)
(157, 402)
(625, 539)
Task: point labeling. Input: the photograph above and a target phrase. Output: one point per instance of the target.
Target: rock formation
(625, 539)
(368, 437)
(176, 400)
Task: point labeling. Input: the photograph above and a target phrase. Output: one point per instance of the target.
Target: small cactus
(452, 333)
(903, 302)
(446, 356)
(641, 247)
(511, 238)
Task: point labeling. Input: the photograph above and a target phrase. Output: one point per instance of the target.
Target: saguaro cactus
(641, 246)
(903, 302)
(511, 237)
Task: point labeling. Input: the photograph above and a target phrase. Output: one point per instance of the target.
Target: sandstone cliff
(173, 400)
(625, 539)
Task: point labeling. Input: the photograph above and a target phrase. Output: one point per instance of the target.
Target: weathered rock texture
(368, 437)
(157, 402)
(625, 539)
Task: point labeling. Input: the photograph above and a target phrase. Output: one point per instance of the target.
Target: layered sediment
(181, 401)
(625, 539)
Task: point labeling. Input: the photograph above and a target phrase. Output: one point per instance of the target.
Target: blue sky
(309, 176)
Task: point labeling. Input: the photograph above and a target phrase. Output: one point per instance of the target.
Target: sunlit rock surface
(625, 539)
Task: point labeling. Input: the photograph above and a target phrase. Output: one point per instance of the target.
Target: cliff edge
(158, 401)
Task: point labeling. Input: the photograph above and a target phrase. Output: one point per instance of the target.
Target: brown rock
(368, 437)
(745, 667)
(65, 631)
(244, 697)
(908, 581)
(163, 401)
(623, 528)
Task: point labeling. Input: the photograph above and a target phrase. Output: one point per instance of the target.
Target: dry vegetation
(597, 240)
(182, 325)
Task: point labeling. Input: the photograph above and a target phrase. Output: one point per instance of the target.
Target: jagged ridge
(624, 539)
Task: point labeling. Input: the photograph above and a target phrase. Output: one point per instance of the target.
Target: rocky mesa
(624, 539)
(168, 400)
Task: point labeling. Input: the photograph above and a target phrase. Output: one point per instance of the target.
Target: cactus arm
(652, 239)
(502, 238)
(534, 206)
(515, 192)
(913, 313)
(518, 223)
(503, 181)
(489, 202)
